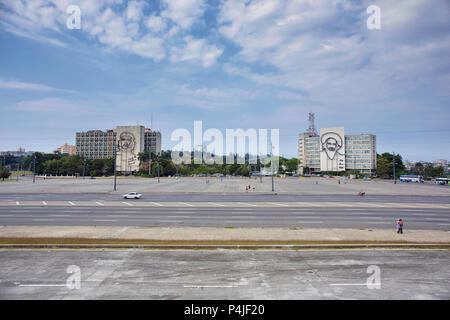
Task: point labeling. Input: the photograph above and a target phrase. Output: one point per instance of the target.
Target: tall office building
(334, 151)
(128, 140)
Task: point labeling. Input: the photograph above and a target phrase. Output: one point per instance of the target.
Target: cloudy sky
(231, 64)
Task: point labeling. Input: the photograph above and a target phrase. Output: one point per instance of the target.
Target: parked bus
(412, 178)
(442, 181)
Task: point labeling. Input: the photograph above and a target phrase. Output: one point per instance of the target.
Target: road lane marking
(217, 204)
(99, 203)
(315, 221)
(44, 203)
(43, 219)
(348, 284)
(105, 220)
(156, 204)
(209, 286)
(60, 215)
(187, 204)
(278, 204)
(129, 204)
(248, 204)
(18, 203)
(377, 222)
(42, 285)
(71, 203)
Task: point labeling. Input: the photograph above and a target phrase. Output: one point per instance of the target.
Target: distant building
(332, 150)
(442, 163)
(66, 149)
(128, 140)
(18, 153)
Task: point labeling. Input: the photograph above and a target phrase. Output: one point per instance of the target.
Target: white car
(132, 195)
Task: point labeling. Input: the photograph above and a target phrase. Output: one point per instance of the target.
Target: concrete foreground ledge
(232, 235)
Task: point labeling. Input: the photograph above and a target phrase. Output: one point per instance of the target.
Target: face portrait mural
(331, 144)
(126, 142)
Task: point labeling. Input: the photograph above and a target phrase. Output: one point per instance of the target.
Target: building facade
(128, 141)
(333, 151)
(442, 163)
(66, 149)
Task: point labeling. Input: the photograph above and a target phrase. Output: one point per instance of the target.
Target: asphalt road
(132, 274)
(187, 214)
(206, 197)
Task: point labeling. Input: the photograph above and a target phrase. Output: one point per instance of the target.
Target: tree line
(56, 164)
(385, 167)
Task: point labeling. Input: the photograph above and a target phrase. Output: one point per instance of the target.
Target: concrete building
(18, 153)
(128, 140)
(442, 163)
(309, 152)
(66, 149)
(95, 144)
(334, 151)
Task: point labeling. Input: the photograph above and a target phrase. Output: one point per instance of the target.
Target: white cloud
(134, 10)
(183, 12)
(324, 46)
(156, 23)
(53, 105)
(150, 47)
(17, 85)
(196, 50)
(115, 26)
(204, 92)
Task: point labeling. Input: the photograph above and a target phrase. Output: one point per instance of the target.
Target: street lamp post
(260, 173)
(115, 169)
(157, 163)
(393, 163)
(271, 163)
(84, 166)
(34, 168)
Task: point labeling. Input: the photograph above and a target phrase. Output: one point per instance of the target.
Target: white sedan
(132, 195)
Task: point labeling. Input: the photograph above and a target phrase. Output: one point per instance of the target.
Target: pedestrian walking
(399, 223)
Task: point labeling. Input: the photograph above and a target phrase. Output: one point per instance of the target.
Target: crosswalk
(229, 204)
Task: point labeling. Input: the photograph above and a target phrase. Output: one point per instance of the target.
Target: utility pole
(115, 169)
(157, 162)
(34, 167)
(271, 163)
(84, 166)
(149, 163)
(393, 164)
(260, 173)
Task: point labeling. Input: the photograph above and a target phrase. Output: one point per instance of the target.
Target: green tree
(4, 173)
(292, 165)
(385, 166)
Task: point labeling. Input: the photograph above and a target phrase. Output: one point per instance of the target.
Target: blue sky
(229, 63)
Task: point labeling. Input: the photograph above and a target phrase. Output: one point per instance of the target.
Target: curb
(444, 246)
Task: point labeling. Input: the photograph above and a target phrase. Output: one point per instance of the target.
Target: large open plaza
(225, 185)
